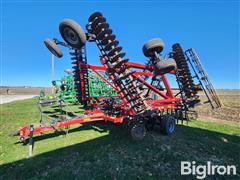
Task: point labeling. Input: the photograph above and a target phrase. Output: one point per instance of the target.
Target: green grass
(104, 151)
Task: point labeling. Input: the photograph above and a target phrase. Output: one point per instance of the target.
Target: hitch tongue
(17, 133)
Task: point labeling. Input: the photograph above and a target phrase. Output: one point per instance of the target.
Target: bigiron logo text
(202, 171)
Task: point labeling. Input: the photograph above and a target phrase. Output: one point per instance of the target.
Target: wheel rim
(171, 127)
(70, 35)
(138, 132)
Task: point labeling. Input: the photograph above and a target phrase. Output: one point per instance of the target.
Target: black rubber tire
(165, 66)
(53, 48)
(68, 71)
(168, 124)
(138, 132)
(72, 33)
(151, 46)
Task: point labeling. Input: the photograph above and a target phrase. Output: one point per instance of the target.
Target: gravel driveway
(5, 98)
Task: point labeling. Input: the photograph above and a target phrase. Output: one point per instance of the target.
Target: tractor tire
(72, 33)
(68, 71)
(53, 48)
(138, 132)
(154, 45)
(165, 66)
(168, 124)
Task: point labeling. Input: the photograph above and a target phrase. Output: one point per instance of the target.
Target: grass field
(104, 151)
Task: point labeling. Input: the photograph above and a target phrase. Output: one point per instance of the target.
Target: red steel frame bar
(25, 131)
(132, 112)
(168, 102)
(167, 98)
(151, 87)
(81, 74)
(139, 66)
(142, 66)
(103, 78)
(167, 85)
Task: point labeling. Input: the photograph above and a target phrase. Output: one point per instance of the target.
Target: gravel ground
(6, 98)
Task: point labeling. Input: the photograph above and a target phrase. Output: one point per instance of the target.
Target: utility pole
(52, 71)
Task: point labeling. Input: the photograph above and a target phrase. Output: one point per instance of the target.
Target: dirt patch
(230, 111)
(23, 90)
(220, 121)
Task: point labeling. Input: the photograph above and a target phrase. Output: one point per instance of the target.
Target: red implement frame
(168, 101)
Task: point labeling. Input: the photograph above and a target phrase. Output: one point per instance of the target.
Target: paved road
(5, 98)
